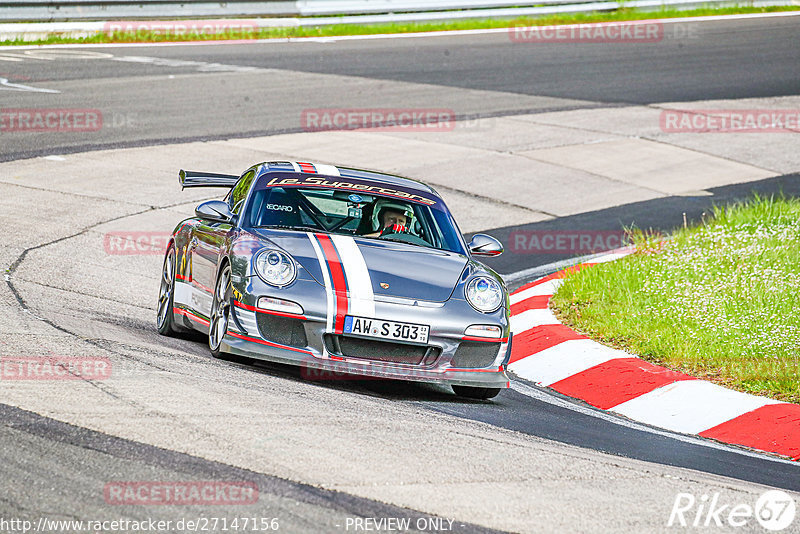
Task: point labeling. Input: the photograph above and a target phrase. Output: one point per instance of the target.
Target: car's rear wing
(206, 179)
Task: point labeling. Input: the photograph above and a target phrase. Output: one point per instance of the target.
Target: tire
(476, 393)
(165, 318)
(220, 312)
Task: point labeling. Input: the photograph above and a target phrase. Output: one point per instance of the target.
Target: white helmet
(383, 204)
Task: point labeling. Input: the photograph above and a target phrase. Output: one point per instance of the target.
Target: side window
(239, 191)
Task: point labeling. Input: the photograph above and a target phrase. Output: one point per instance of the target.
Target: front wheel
(165, 320)
(220, 312)
(476, 393)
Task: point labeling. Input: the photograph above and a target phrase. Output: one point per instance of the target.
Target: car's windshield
(394, 215)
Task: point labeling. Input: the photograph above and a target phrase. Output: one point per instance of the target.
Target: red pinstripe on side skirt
(268, 343)
(190, 315)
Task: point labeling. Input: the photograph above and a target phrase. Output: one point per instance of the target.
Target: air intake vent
(475, 354)
(383, 351)
(282, 330)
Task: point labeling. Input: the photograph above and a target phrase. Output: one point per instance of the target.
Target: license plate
(362, 326)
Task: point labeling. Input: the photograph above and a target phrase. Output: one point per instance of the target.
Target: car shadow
(390, 389)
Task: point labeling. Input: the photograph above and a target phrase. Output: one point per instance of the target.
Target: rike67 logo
(774, 510)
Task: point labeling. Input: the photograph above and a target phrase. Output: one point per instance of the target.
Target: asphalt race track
(155, 100)
(323, 453)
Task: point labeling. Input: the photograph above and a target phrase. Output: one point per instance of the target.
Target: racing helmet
(384, 204)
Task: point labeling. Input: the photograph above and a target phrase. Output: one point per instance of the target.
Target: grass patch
(719, 301)
(371, 29)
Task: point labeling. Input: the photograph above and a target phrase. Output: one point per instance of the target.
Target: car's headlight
(276, 268)
(484, 293)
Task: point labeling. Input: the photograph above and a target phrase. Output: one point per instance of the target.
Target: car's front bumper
(319, 368)
(318, 361)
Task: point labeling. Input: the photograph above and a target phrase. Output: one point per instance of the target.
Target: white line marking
(9, 86)
(564, 360)
(52, 55)
(531, 319)
(613, 256)
(12, 57)
(45, 54)
(201, 66)
(545, 288)
(690, 406)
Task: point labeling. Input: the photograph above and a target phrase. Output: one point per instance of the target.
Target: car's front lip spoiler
(321, 369)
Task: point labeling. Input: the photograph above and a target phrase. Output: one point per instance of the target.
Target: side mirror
(214, 210)
(485, 245)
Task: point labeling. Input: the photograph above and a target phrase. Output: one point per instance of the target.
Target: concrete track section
(66, 456)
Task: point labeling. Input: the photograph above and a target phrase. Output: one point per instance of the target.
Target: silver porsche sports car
(338, 270)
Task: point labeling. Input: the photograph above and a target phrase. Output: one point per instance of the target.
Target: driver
(390, 218)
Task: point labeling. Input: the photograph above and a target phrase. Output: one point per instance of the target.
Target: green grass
(369, 29)
(719, 301)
